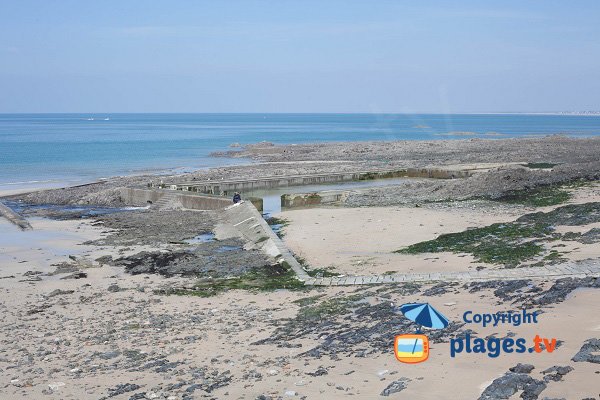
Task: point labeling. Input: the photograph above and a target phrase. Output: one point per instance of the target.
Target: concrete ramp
(244, 220)
(13, 217)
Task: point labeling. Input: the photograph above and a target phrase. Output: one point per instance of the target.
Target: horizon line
(582, 113)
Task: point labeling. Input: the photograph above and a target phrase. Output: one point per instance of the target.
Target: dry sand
(362, 240)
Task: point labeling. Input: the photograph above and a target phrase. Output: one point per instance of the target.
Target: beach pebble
(56, 385)
(382, 372)
(395, 387)
(522, 368)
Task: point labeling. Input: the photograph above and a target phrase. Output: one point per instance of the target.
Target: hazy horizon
(92, 113)
(389, 57)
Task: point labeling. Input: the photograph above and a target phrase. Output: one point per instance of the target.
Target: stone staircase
(169, 201)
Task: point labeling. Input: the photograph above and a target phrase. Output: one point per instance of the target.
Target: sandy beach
(362, 240)
(111, 333)
(101, 300)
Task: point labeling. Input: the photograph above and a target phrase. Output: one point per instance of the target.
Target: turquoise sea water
(55, 149)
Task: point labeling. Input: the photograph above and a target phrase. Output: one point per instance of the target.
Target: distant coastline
(54, 150)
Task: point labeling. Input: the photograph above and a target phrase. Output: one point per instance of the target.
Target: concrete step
(169, 200)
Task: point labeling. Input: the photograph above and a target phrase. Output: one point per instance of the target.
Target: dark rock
(59, 292)
(64, 268)
(209, 380)
(562, 287)
(253, 374)
(508, 384)
(319, 372)
(105, 260)
(109, 354)
(437, 290)
(208, 259)
(193, 387)
(505, 290)
(586, 352)
(522, 368)
(114, 288)
(76, 275)
(556, 373)
(122, 388)
(395, 387)
(146, 227)
(40, 308)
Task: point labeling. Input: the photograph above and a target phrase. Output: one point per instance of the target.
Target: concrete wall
(311, 199)
(436, 173)
(228, 187)
(143, 197)
(13, 217)
(140, 197)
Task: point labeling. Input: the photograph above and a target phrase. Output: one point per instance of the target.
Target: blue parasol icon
(424, 315)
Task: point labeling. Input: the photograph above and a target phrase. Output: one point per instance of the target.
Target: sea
(53, 150)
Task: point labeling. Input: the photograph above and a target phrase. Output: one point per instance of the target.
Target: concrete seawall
(313, 199)
(245, 185)
(436, 173)
(145, 197)
(227, 187)
(13, 217)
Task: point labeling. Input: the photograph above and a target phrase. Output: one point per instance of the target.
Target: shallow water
(35, 249)
(272, 197)
(201, 238)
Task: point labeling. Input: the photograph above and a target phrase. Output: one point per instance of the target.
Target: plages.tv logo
(414, 348)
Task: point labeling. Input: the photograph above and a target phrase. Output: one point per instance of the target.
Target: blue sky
(299, 56)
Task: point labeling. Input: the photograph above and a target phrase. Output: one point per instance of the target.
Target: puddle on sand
(201, 238)
(276, 228)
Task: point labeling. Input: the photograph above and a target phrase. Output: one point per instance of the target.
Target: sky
(299, 56)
